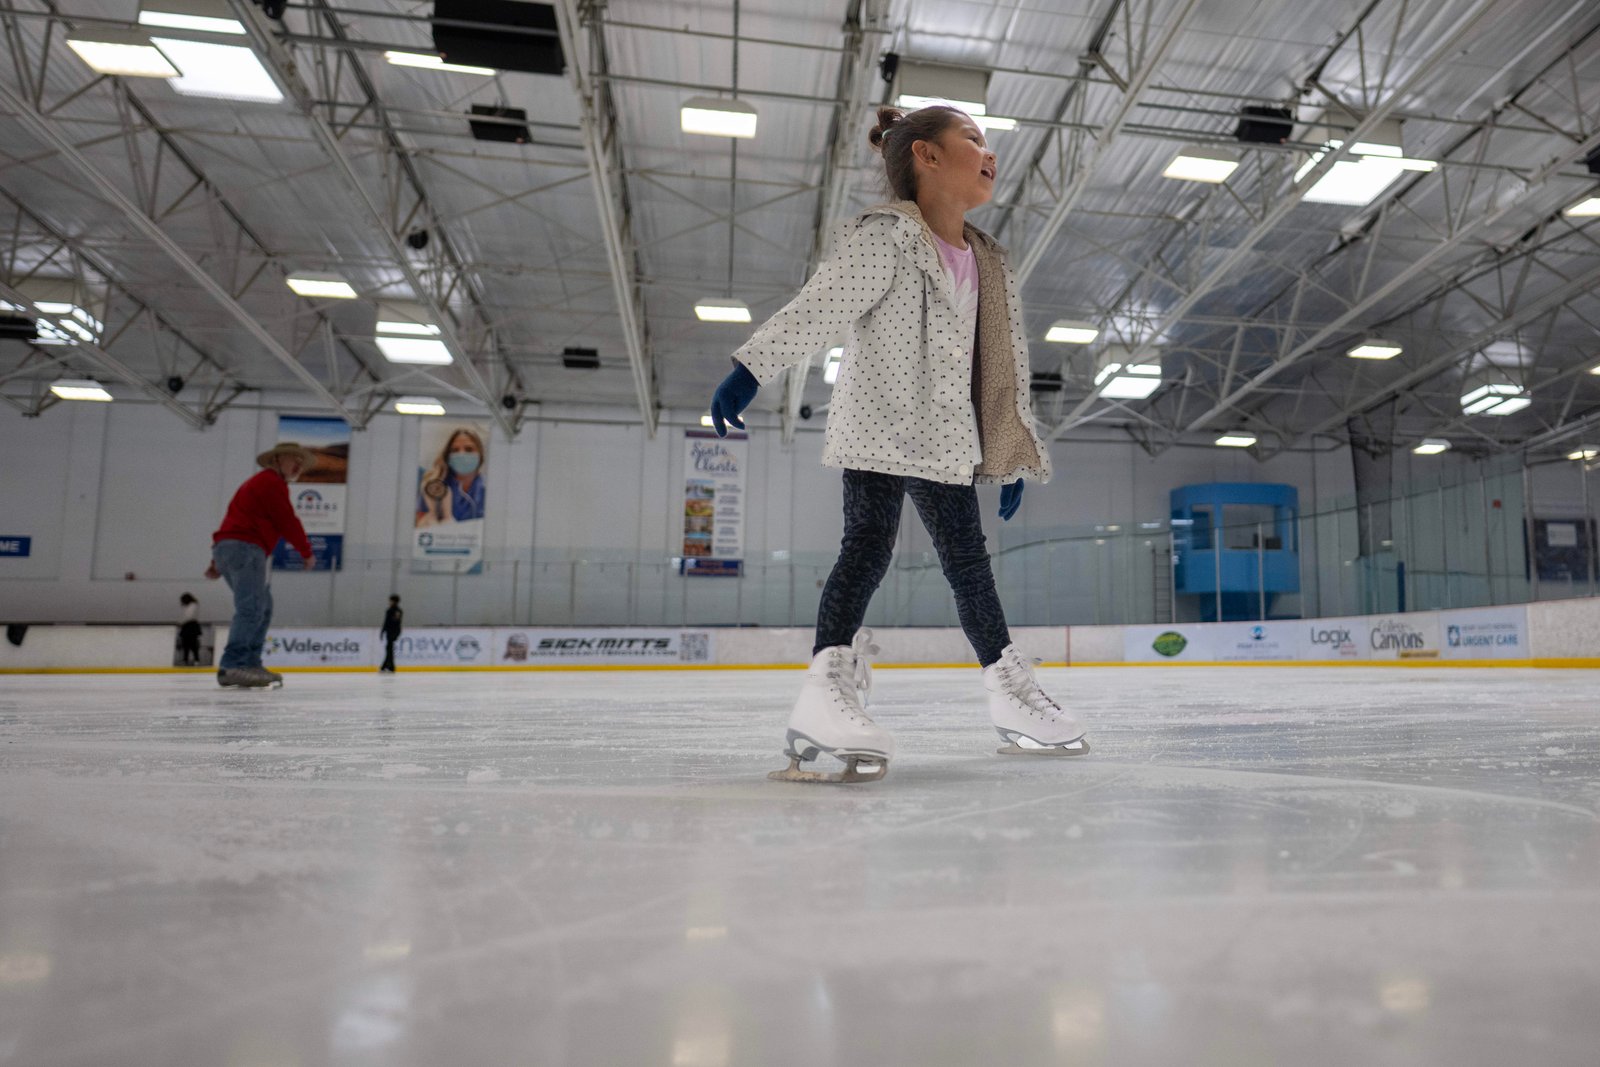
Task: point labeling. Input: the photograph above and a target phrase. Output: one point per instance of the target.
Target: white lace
(1016, 675)
(858, 682)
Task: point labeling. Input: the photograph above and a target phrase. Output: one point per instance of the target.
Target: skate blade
(851, 772)
(1074, 748)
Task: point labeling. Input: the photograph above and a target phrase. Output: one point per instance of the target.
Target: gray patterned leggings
(871, 520)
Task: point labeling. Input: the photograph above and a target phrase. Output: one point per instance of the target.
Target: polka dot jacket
(907, 400)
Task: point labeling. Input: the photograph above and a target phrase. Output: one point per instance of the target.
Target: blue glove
(1010, 499)
(732, 397)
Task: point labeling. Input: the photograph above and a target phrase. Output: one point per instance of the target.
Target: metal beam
(284, 70)
(1287, 201)
(584, 48)
(43, 130)
(1105, 137)
(1415, 268)
(861, 26)
(1582, 285)
(108, 362)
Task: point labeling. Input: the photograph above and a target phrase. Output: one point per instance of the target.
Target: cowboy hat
(287, 448)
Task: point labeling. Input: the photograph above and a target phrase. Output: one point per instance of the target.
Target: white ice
(1254, 866)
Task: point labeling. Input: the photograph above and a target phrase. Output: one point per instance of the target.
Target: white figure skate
(1024, 715)
(830, 718)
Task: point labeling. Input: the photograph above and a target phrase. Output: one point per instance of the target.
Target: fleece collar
(908, 211)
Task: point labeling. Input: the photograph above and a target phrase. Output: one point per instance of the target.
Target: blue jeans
(244, 568)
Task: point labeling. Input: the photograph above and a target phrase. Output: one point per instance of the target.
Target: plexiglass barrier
(1451, 544)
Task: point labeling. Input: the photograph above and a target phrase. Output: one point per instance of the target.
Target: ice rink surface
(1254, 866)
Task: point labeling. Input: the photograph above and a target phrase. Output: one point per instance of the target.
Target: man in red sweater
(258, 516)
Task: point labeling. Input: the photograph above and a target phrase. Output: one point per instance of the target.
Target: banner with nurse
(452, 463)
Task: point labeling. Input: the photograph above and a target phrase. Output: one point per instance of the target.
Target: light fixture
(1375, 348)
(1583, 209)
(1374, 164)
(124, 53)
(313, 284)
(918, 83)
(206, 16)
(718, 117)
(1236, 440)
(405, 333)
(1595, 369)
(79, 389)
(431, 62)
(991, 123)
(1120, 378)
(418, 405)
(1071, 332)
(830, 369)
(1195, 164)
(221, 71)
(72, 309)
(721, 309)
(1492, 393)
(1584, 453)
(706, 421)
(1432, 446)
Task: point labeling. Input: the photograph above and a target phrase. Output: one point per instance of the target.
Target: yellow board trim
(1558, 663)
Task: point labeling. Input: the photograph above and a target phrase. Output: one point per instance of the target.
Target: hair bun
(888, 118)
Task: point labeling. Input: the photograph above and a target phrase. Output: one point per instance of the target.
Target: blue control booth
(1236, 549)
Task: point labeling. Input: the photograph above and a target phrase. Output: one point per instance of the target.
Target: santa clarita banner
(713, 503)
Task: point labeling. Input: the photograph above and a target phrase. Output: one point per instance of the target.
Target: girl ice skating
(932, 397)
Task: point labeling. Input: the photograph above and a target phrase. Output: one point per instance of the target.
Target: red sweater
(260, 513)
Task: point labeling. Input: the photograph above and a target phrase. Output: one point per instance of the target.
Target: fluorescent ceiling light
(122, 53)
(1202, 165)
(1585, 453)
(1071, 332)
(203, 23)
(717, 117)
(912, 101)
(1432, 446)
(830, 369)
(1128, 381)
(1494, 398)
(412, 329)
(331, 286)
(1375, 348)
(406, 318)
(223, 71)
(418, 405)
(1595, 369)
(720, 310)
(1236, 440)
(1583, 209)
(69, 324)
(427, 62)
(1359, 181)
(79, 389)
(424, 350)
(988, 123)
(706, 420)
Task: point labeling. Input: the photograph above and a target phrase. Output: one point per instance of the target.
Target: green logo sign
(1170, 643)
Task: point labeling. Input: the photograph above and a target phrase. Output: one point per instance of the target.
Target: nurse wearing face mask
(452, 489)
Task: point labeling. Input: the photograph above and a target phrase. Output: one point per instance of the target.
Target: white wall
(107, 490)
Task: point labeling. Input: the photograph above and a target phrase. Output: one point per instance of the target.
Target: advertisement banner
(528, 646)
(1402, 636)
(447, 526)
(1485, 633)
(713, 503)
(441, 647)
(1252, 642)
(320, 647)
(318, 495)
(1333, 638)
(1167, 644)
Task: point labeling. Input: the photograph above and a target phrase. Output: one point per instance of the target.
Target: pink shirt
(961, 266)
